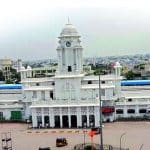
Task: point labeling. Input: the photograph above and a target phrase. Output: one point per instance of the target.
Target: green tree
(1, 76)
(130, 75)
(9, 81)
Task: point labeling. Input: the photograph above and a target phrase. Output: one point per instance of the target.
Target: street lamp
(84, 126)
(121, 138)
(100, 115)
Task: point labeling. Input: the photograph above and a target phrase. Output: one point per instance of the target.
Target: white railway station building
(69, 99)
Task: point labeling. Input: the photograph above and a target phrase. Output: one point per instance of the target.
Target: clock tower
(69, 51)
(70, 66)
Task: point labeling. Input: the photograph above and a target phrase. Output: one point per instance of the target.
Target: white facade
(135, 102)
(10, 101)
(69, 99)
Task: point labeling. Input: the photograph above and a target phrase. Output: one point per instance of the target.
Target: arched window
(89, 82)
(142, 111)
(131, 111)
(119, 111)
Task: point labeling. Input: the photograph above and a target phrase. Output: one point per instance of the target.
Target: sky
(29, 28)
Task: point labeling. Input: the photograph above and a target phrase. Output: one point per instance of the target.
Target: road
(137, 133)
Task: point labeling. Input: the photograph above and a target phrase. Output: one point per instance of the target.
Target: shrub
(89, 147)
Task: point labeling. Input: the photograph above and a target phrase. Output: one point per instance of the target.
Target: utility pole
(100, 111)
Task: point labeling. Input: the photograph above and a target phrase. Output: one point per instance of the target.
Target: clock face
(68, 44)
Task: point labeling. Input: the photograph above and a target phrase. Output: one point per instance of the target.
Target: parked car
(61, 142)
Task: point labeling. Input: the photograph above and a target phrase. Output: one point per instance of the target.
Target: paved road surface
(137, 133)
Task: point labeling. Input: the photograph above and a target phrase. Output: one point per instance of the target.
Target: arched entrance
(84, 121)
(65, 121)
(57, 121)
(91, 120)
(73, 121)
(46, 121)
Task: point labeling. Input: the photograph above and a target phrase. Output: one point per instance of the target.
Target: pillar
(42, 111)
(60, 110)
(125, 110)
(79, 122)
(96, 115)
(136, 110)
(34, 118)
(51, 116)
(69, 117)
(87, 109)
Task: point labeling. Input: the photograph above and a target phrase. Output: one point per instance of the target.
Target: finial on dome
(68, 20)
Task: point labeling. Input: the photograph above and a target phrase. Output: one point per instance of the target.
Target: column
(60, 112)
(42, 111)
(96, 115)
(79, 121)
(51, 116)
(69, 116)
(87, 109)
(125, 111)
(136, 110)
(34, 117)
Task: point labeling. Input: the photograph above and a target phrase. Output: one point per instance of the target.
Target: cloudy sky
(29, 28)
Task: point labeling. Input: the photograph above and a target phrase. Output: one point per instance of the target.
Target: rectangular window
(90, 82)
(129, 100)
(131, 111)
(102, 82)
(119, 111)
(34, 94)
(69, 69)
(102, 92)
(43, 95)
(51, 95)
(142, 111)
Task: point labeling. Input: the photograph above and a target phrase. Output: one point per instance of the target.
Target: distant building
(146, 72)
(11, 107)
(5, 66)
(17, 65)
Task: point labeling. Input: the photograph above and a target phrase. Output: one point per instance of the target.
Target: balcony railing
(11, 106)
(65, 102)
(136, 102)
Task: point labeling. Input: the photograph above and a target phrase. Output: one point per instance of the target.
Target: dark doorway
(57, 121)
(46, 121)
(73, 121)
(92, 120)
(39, 121)
(51, 95)
(84, 121)
(69, 69)
(65, 121)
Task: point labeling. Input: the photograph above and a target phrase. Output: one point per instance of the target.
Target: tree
(8, 81)
(1, 76)
(130, 75)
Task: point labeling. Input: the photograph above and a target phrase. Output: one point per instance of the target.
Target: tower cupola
(69, 51)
